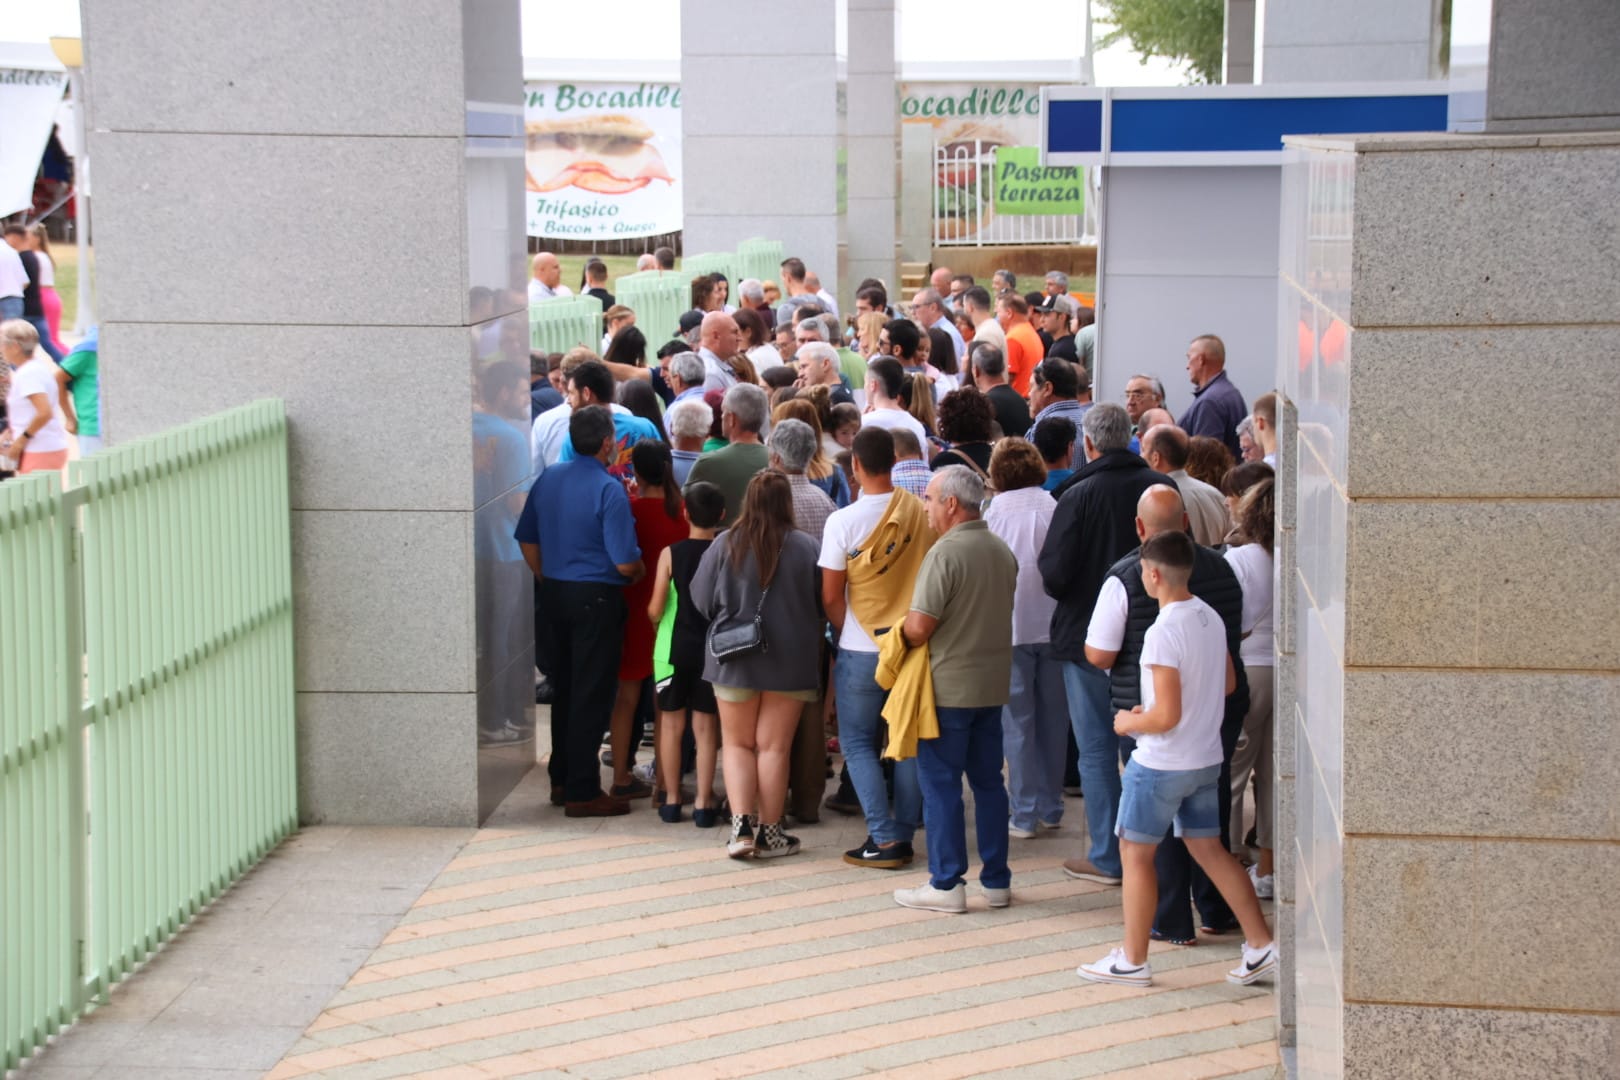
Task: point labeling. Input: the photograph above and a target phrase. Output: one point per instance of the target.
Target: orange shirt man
(1024, 349)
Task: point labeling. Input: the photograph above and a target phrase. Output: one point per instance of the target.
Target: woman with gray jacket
(763, 569)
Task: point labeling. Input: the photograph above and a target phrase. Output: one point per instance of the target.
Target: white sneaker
(1050, 826)
(997, 897)
(1264, 887)
(1257, 964)
(927, 898)
(643, 772)
(1114, 968)
(1020, 834)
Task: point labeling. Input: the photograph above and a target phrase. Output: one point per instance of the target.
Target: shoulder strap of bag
(974, 465)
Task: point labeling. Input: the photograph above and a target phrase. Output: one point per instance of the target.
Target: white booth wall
(1201, 259)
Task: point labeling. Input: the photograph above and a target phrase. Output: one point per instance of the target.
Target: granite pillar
(1450, 601)
(327, 208)
(762, 128)
(873, 126)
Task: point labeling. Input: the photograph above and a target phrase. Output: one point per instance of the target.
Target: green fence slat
(152, 701)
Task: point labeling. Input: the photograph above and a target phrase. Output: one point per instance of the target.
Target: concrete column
(1551, 66)
(1452, 604)
(1313, 41)
(304, 215)
(873, 125)
(1237, 57)
(760, 127)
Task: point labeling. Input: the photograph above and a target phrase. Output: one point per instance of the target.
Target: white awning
(32, 83)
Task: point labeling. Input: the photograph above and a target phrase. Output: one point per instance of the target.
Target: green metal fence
(565, 322)
(760, 258)
(146, 706)
(657, 298)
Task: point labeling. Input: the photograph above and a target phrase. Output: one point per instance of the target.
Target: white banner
(603, 159)
(28, 103)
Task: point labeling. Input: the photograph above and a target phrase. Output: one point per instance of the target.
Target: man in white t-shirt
(976, 301)
(884, 380)
(547, 280)
(1173, 775)
(860, 700)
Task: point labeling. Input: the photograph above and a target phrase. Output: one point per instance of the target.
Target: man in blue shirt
(592, 384)
(1217, 406)
(578, 536)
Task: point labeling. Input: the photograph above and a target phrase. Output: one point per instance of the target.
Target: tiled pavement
(549, 947)
(630, 948)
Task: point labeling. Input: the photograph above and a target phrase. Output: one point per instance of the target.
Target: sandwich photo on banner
(602, 160)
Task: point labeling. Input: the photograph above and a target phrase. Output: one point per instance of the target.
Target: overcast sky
(930, 30)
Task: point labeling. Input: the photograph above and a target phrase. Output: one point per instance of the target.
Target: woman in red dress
(660, 522)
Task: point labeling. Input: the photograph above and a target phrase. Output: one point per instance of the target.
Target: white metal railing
(963, 187)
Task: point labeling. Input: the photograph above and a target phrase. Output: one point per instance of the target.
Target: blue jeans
(1035, 736)
(861, 736)
(969, 742)
(38, 322)
(11, 307)
(1092, 713)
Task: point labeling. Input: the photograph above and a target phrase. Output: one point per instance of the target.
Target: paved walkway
(549, 947)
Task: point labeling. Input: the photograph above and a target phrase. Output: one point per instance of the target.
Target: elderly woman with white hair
(36, 436)
(688, 422)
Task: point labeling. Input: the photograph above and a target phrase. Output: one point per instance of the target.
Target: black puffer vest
(1215, 584)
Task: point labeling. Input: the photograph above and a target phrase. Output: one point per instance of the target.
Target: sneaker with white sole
(927, 898)
(1114, 968)
(1050, 826)
(741, 845)
(1020, 834)
(1264, 887)
(643, 772)
(1085, 870)
(1257, 964)
(998, 898)
(773, 843)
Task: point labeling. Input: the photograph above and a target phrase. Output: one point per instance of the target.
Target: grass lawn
(66, 257)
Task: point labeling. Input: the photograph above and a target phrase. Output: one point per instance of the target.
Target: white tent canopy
(32, 83)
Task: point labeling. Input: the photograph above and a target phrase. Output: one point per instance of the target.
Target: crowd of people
(911, 537)
(48, 393)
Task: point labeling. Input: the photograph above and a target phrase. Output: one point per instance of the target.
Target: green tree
(1192, 31)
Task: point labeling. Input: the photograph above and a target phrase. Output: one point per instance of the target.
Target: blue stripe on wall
(1170, 125)
(1074, 127)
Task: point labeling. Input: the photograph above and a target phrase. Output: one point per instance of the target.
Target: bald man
(1114, 640)
(646, 261)
(717, 344)
(941, 281)
(1165, 448)
(546, 282)
(1152, 418)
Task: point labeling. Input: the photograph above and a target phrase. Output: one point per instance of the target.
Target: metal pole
(85, 317)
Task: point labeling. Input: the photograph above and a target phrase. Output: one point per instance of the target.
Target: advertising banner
(1024, 186)
(603, 159)
(987, 138)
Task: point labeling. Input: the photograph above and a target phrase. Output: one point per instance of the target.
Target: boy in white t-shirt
(1174, 771)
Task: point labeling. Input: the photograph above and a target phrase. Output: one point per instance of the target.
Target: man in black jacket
(1114, 640)
(1094, 526)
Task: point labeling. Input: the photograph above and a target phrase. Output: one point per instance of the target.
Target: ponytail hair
(654, 466)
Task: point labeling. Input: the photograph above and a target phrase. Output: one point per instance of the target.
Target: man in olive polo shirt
(962, 607)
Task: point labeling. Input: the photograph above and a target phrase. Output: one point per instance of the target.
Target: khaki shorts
(738, 696)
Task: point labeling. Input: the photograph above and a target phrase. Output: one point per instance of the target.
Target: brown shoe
(1083, 870)
(601, 806)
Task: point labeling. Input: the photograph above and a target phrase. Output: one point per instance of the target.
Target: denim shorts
(1151, 799)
